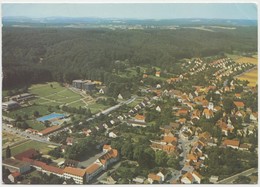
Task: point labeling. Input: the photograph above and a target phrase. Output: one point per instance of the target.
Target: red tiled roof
(52, 169)
(231, 142)
(139, 117)
(188, 175)
(50, 129)
(92, 168)
(74, 171)
(169, 139)
(107, 147)
(154, 177)
(113, 153)
(239, 104)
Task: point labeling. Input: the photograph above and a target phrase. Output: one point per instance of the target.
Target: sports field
(42, 147)
(251, 76)
(53, 94)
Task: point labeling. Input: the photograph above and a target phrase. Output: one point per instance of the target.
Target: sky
(137, 10)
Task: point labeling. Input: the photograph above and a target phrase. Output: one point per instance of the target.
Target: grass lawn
(77, 104)
(42, 147)
(95, 108)
(135, 102)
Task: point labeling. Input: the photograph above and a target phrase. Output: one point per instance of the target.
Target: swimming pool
(51, 117)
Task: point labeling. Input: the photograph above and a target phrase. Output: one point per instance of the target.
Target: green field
(36, 125)
(95, 108)
(55, 95)
(42, 147)
(43, 110)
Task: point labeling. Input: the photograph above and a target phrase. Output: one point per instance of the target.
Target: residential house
(244, 147)
(254, 116)
(13, 177)
(197, 177)
(182, 112)
(187, 178)
(208, 113)
(191, 177)
(112, 135)
(103, 90)
(213, 179)
(69, 141)
(231, 143)
(120, 96)
(106, 148)
(239, 104)
(158, 108)
(157, 73)
(225, 128)
(139, 180)
(155, 178)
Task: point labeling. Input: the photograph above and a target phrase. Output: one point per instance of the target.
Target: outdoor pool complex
(51, 117)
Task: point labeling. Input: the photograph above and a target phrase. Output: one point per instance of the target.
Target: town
(176, 129)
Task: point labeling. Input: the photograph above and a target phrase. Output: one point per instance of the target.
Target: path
(230, 180)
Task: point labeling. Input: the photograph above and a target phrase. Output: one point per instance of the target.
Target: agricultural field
(251, 76)
(42, 147)
(241, 59)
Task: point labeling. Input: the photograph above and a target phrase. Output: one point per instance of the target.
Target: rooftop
(15, 163)
(74, 171)
(92, 168)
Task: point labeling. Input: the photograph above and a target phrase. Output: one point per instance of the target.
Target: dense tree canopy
(42, 54)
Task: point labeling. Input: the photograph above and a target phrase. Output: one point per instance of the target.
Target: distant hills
(96, 22)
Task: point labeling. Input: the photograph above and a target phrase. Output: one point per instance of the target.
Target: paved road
(230, 180)
(27, 135)
(45, 138)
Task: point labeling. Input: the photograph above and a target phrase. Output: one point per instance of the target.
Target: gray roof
(14, 163)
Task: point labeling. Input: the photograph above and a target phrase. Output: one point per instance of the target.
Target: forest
(34, 55)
